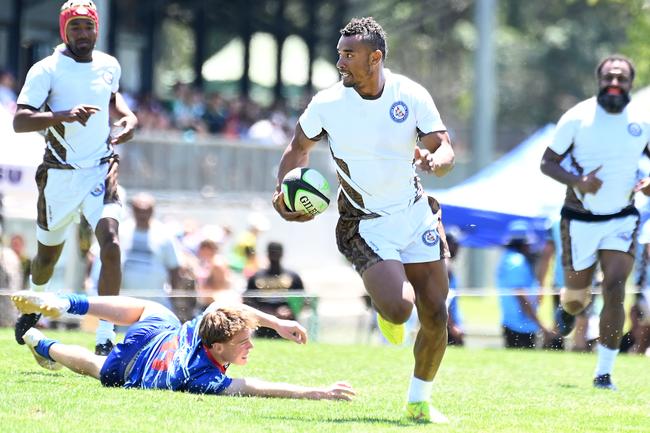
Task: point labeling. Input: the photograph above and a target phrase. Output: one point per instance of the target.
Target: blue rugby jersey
(178, 360)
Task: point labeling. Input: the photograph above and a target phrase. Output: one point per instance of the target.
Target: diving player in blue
(160, 352)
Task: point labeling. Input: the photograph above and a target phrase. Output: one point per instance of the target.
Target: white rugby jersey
(591, 137)
(59, 83)
(373, 140)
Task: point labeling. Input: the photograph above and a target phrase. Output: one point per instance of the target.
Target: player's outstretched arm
(289, 329)
(261, 388)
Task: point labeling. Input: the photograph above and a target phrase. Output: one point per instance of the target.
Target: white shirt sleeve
(310, 120)
(564, 134)
(427, 117)
(115, 85)
(36, 88)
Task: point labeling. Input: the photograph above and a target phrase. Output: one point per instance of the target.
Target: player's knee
(45, 261)
(110, 252)
(434, 316)
(575, 300)
(398, 312)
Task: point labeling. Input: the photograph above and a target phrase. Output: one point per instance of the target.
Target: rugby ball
(306, 190)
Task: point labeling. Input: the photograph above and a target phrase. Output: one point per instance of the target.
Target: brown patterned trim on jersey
(110, 183)
(565, 241)
(60, 150)
(41, 205)
(349, 212)
(437, 211)
(353, 246)
(50, 160)
(571, 199)
(351, 192)
(57, 147)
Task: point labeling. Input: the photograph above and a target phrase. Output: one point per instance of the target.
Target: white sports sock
(105, 331)
(419, 390)
(606, 358)
(37, 287)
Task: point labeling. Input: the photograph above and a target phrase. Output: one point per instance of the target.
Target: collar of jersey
(221, 368)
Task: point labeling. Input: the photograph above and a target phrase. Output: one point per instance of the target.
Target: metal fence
(214, 165)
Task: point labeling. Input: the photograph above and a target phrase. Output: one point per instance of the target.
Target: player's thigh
(430, 281)
(389, 288)
(616, 267)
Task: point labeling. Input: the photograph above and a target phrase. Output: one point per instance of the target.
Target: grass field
(479, 390)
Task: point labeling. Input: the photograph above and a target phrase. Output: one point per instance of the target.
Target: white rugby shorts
(65, 193)
(413, 235)
(581, 240)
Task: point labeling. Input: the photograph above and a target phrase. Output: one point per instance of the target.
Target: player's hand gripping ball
(306, 190)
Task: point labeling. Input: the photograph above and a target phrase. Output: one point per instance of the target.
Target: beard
(613, 103)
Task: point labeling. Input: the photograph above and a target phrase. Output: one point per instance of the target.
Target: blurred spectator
(640, 330)
(188, 108)
(272, 283)
(152, 115)
(8, 94)
(455, 332)
(243, 258)
(213, 279)
(17, 245)
(515, 274)
(11, 279)
(151, 260)
(270, 131)
(215, 113)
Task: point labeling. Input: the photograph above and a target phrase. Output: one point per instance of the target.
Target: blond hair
(221, 325)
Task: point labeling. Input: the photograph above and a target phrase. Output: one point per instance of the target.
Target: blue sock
(78, 304)
(43, 347)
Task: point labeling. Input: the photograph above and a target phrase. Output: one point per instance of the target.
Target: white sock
(419, 390)
(105, 331)
(606, 358)
(37, 287)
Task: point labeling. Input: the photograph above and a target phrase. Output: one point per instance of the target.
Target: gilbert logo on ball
(305, 190)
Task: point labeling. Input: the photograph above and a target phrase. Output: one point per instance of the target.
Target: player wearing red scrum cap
(73, 96)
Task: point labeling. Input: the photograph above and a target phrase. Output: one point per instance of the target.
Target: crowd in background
(193, 111)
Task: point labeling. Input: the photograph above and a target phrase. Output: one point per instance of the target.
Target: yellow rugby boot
(393, 333)
(423, 412)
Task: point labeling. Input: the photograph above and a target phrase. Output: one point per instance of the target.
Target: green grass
(479, 390)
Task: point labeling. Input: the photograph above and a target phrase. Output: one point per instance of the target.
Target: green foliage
(479, 390)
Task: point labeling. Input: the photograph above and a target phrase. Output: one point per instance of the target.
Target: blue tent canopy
(513, 187)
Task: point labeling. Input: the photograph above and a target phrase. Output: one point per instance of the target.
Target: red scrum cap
(75, 9)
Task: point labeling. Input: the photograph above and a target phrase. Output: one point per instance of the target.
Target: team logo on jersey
(108, 77)
(98, 190)
(430, 237)
(399, 111)
(634, 129)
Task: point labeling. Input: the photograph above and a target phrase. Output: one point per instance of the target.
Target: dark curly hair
(370, 31)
